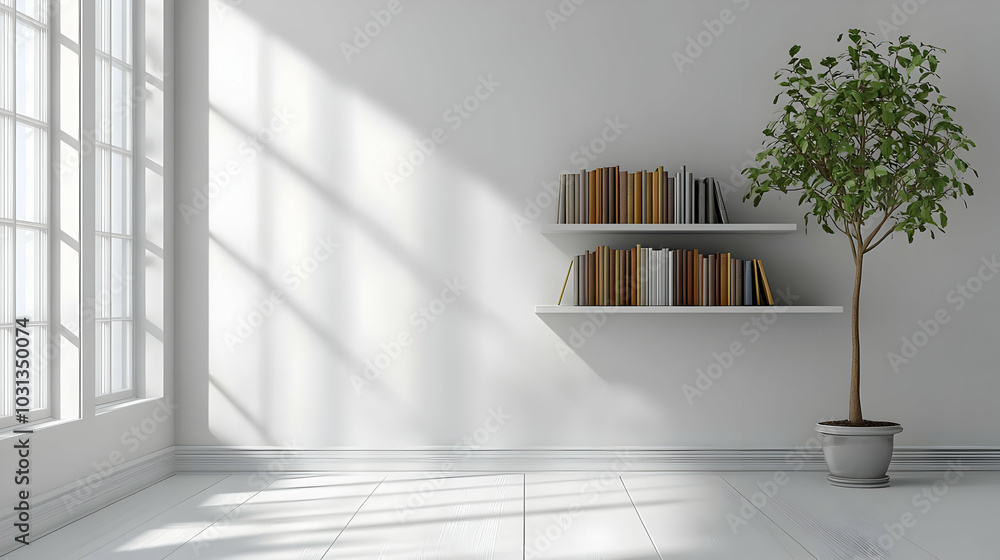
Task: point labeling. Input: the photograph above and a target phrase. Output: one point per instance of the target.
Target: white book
(670, 278)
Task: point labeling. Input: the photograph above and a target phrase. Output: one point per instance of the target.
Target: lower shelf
(731, 309)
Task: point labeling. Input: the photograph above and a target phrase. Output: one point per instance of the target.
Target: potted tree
(869, 142)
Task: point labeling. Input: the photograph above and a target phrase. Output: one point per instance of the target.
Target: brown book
(591, 196)
(622, 277)
(606, 272)
(713, 283)
(724, 277)
(601, 195)
(609, 193)
(640, 180)
(766, 288)
(698, 278)
(615, 264)
(630, 199)
(628, 276)
(622, 197)
(616, 217)
(600, 275)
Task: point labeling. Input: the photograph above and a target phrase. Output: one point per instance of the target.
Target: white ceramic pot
(858, 457)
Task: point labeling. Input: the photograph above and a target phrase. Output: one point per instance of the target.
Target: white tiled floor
(593, 516)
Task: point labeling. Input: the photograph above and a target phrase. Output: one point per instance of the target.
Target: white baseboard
(219, 459)
(61, 506)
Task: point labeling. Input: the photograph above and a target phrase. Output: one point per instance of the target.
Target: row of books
(611, 196)
(646, 276)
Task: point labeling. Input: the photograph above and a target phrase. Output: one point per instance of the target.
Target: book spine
(655, 197)
(623, 197)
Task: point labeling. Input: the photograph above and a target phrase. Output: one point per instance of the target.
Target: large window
(83, 202)
(24, 201)
(115, 104)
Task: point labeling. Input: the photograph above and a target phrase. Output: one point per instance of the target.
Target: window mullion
(88, 199)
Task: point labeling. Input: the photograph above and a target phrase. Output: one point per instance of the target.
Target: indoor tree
(870, 143)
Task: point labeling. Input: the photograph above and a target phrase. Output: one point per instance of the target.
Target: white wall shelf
(675, 309)
(668, 228)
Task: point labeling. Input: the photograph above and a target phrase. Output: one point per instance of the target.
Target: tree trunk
(855, 417)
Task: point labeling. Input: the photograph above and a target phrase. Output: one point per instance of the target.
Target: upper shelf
(669, 228)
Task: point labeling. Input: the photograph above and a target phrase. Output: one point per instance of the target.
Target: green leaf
(881, 171)
(795, 49)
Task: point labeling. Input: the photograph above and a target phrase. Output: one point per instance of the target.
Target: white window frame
(134, 151)
(47, 360)
(70, 380)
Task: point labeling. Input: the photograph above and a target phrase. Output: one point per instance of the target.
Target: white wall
(288, 381)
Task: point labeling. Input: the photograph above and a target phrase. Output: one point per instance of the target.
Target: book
(724, 289)
(630, 200)
(713, 279)
(689, 186)
(622, 197)
(748, 282)
(712, 211)
(738, 282)
(654, 196)
(756, 283)
(766, 288)
(720, 203)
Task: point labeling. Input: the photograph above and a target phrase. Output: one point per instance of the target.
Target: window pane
(121, 277)
(31, 179)
(121, 107)
(6, 68)
(102, 99)
(31, 268)
(121, 30)
(7, 242)
(7, 155)
(33, 9)
(102, 334)
(121, 361)
(102, 266)
(121, 195)
(30, 67)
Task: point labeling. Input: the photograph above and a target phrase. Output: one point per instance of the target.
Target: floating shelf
(669, 228)
(673, 309)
